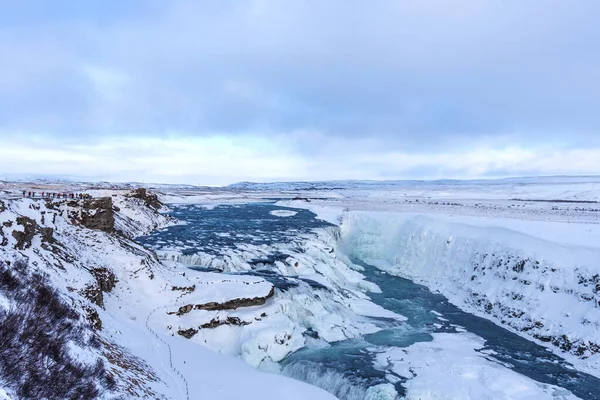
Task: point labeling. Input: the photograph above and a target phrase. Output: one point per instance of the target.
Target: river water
(345, 368)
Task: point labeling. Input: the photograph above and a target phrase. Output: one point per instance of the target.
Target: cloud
(408, 78)
(221, 159)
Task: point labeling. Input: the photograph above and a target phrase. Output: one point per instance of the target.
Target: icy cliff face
(539, 288)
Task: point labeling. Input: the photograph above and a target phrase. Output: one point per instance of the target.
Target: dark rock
(2, 206)
(185, 289)
(228, 305)
(93, 318)
(93, 293)
(106, 279)
(187, 333)
(29, 230)
(98, 214)
(149, 198)
(215, 322)
(235, 303)
(47, 235)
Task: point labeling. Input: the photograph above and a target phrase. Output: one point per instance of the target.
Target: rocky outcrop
(228, 305)
(93, 318)
(30, 229)
(105, 282)
(2, 206)
(105, 278)
(98, 214)
(93, 293)
(149, 198)
(187, 333)
(184, 289)
(215, 322)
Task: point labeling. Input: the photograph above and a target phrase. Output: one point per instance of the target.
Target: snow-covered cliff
(125, 294)
(539, 279)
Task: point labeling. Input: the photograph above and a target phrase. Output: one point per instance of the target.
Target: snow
(4, 394)
(283, 213)
(488, 270)
(220, 288)
(471, 241)
(450, 367)
(384, 391)
(144, 292)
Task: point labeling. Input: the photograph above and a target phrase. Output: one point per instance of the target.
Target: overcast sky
(213, 92)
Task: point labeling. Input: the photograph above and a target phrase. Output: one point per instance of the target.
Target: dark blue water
(345, 368)
(227, 226)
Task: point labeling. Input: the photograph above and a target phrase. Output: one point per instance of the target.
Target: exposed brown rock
(29, 229)
(187, 333)
(215, 322)
(47, 235)
(149, 198)
(93, 293)
(228, 305)
(92, 316)
(235, 303)
(98, 214)
(106, 279)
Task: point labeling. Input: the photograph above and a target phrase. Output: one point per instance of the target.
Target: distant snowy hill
(398, 184)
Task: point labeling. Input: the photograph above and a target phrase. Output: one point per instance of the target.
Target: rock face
(30, 229)
(105, 283)
(93, 293)
(98, 214)
(93, 318)
(106, 279)
(228, 305)
(149, 198)
(2, 206)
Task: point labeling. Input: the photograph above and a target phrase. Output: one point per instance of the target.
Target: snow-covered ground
(146, 358)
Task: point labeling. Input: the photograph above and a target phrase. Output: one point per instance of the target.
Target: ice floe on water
(451, 367)
(283, 213)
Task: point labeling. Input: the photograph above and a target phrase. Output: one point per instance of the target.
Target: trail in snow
(171, 366)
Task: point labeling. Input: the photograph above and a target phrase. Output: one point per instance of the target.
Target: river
(346, 368)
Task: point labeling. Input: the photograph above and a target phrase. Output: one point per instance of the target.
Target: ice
(384, 391)
(283, 213)
(450, 367)
(487, 270)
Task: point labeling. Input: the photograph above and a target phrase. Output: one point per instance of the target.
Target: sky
(215, 92)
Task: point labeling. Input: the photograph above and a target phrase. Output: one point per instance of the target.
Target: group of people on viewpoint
(57, 195)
